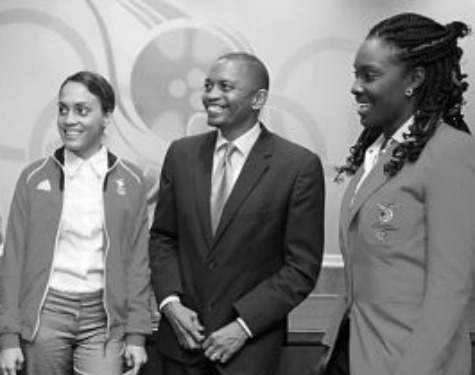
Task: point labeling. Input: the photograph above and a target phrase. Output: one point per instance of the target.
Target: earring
(408, 92)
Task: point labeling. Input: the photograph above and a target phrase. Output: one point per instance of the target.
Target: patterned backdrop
(156, 54)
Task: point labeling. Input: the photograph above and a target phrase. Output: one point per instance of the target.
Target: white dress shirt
(379, 147)
(78, 264)
(243, 146)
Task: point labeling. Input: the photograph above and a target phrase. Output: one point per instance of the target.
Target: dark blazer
(409, 248)
(265, 256)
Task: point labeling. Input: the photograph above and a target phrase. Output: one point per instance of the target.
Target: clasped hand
(219, 346)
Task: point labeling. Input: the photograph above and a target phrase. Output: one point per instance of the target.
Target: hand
(11, 361)
(185, 324)
(222, 344)
(135, 357)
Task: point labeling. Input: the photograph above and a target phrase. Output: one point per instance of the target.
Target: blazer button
(212, 264)
(210, 306)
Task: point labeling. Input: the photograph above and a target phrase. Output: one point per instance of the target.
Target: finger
(226, 355)
(211, 352)
(188, 329)
(208, 342)
(190, 343)
(194, 332)
(197, 323)
(128, 359)
(19, 365)
(136, 367)
(182, 337)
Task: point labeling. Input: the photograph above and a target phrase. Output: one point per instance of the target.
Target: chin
(366, 123)
(214, 123)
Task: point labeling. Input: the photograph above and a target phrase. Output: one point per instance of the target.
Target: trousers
(72, 338)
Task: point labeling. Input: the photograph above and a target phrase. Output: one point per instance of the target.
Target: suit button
(212, 264)
(210, 306)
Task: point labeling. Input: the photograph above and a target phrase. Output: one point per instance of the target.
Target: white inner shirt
(78, 264)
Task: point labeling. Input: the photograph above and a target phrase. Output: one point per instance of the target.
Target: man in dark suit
(237, 237)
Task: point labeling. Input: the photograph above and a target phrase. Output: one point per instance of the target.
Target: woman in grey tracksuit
(74, 278)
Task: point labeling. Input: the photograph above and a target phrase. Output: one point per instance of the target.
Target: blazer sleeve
(271, 300)
(450, 216)
(163, 244)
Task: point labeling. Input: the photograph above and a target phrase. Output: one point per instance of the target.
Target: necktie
(222, 184)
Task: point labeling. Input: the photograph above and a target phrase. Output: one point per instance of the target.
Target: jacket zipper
(106, 235)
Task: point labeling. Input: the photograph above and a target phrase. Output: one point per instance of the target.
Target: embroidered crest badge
(120, 186)
(385, 221)
(387, 214)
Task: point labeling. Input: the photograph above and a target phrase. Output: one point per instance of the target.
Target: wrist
(244, 327)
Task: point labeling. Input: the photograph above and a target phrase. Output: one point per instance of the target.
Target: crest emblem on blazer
(385, 221)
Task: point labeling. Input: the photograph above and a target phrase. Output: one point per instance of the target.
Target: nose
(68, 117)
(211, 93)
(356, 88)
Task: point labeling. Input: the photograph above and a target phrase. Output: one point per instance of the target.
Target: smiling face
(381, 80)
(231, 97)
(81, 120)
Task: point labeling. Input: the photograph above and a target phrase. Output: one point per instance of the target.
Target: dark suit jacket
(265, 256)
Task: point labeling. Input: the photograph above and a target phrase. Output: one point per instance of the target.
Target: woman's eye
(83, 111)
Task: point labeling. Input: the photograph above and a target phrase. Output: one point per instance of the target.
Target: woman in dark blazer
(407, 225)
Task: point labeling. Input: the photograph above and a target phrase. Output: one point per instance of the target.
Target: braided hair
(420, 42)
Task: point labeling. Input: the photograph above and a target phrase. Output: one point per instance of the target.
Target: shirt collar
(243, 143)
(97, 162)
(397, 137)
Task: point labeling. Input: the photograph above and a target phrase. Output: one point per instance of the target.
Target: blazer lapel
(203, 184)
(375, 179)
(255, 166)
(346, 202)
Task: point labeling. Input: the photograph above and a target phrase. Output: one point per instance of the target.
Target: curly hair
(420, 42)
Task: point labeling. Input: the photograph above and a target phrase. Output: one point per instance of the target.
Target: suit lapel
(255, 166)
(203, 183)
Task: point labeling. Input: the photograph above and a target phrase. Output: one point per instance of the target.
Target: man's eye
(208, 86)
(226, 87)
(62, 111)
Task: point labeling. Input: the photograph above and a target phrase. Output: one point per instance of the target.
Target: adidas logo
(44, 185)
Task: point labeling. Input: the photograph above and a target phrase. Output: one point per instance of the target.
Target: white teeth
(363, 106)
(215, 109)
(72, 132)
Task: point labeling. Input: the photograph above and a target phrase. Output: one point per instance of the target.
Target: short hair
(420, 41)
(97, 85)
(258, 66)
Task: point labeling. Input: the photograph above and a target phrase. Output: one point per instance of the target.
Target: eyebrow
(73, 103)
